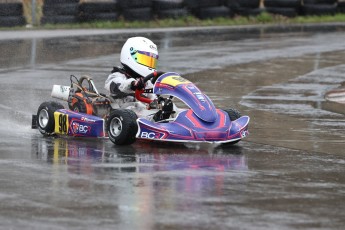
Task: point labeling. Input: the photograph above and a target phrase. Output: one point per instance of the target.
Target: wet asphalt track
(288, 174)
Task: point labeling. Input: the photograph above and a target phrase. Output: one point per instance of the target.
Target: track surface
(288, 174)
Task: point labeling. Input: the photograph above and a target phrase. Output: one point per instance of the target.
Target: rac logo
(150, 135)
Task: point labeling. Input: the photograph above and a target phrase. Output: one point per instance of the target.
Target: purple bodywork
(202, 122)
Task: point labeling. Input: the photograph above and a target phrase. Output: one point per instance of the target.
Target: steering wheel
(138, 93)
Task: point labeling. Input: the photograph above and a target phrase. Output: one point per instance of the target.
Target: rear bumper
(34, 122)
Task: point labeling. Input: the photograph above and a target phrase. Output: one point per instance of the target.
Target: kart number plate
(61, 123)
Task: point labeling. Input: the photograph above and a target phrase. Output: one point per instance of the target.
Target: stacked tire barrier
(74, 11)
(341, 7)
(60, 11)
(11, 14)
(205, 9)
(132, 10)
(169, 8)
(319, 7)
(244, 7)
(287, 8)
(98, 11)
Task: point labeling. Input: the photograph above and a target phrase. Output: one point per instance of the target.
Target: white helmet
(140, 55)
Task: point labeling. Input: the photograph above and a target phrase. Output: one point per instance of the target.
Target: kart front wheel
(234, 114)
(45, 117)
(122, 126)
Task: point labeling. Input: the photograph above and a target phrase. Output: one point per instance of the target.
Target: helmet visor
(146, 58)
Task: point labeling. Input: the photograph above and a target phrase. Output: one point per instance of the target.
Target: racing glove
(156, 75)
(138, 84)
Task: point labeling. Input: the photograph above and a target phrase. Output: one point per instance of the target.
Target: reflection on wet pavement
(151, 186)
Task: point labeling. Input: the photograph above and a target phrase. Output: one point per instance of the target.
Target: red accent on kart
(141, 98)
(88, 106)
(197, 123)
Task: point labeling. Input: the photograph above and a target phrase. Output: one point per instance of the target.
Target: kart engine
(83, 98)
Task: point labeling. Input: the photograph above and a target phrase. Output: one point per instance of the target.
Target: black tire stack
(319, 7)
(98, 11)
(287, 8)
(244, 7)
(60, 11)
(136, 10)
(205, 9)
(341, 7)
(169, 9)
(11, 14)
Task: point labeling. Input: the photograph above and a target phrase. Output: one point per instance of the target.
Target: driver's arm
(118, 82)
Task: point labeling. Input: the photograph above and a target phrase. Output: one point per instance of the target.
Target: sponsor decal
(244, 133)
(88, 119)
(174, 80)
(200, 96)
(63, 88)
(78, 128)
(153, 47)
(148, 135)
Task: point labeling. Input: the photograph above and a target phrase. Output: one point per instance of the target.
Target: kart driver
(139, 57)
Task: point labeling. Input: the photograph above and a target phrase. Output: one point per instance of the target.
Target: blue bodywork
(202, 122)
(75, 124)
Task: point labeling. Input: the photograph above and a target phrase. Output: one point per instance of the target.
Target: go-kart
(91, 114)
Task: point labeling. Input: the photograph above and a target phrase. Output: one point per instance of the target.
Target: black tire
(94, 8)
(9, 21)
(122, 126)
(56, 2)
(130, 4)
(196, 4)
(98, 17)
(234, 114)
(319, 9)
(312, 2)
(59, 19)
(11, 9)
(214, 12)
(283, 3)
(158, 5)
(45, 117)
(341, 10)
(173, 13)
(287, 12)
(248, 12)
(61, 9)
(138, 14)
(234, 4)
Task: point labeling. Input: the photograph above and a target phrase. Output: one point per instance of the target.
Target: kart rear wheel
(122, 126)
(45, 117)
